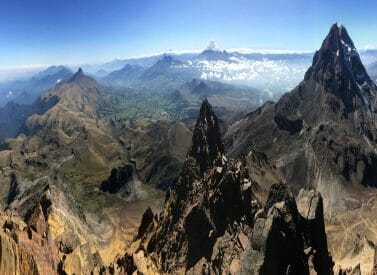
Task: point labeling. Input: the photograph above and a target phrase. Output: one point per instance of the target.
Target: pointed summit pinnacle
(212, 46)
(78, 75)
(338, 69)
(206, 141)
(79, 71)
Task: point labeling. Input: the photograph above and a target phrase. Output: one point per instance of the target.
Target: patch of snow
(364, 98)
(212, 46)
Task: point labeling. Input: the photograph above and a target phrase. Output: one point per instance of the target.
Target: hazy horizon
(77, 32)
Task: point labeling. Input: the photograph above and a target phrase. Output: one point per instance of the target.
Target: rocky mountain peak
(168, 60)
(206, 141)
(212, 46)
(82, 79)
(79, 73)
(164, 65)
(338, 68)
(129, 67)
(200, 88)
(78, 76)
(60, 70)
(202, 85)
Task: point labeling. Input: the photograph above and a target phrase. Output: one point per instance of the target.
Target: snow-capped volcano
(213, 52)
(273, 73)
(212, 46)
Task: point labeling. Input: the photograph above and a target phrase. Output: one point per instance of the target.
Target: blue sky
(90, 31)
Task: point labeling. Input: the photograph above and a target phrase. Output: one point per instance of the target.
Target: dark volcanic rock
(338, 68)
(213, 222)
(292, 126)
(280, 239)
(146, 223)
(310, 207)
(278, 193)
(37, 220)
(14, 189)
(322, 134)
(118, 179)
(206, 141)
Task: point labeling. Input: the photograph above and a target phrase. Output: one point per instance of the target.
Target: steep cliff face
(15, 260)
(323, 133)
(19, 243)
(52, 179)
(218, 220)
(338, 69)
(206, 141)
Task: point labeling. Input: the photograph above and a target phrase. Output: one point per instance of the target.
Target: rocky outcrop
(14, 259)
(285, 240)
(14, 189)
(51, 229)
(124, 183)
(206, 141)
(146, 223)
(37, 220)
(361, 259)
(338, 69)
(24, 252)
(213, 222)
(310, 207)
(52, 179)
(322, 134)
(119, 178)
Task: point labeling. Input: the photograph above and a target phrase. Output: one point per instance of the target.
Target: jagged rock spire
(338, 68)
(206, 141)
(82, 79)
(78, 75)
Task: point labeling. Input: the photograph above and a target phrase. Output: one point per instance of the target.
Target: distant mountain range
(372, 70)
(273, 72)
(333, 107)
(27, 90)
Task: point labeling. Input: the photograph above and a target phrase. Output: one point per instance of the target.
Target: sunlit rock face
(214, 222)
(321, 134)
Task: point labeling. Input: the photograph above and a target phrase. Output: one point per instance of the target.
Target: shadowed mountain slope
(213, 221)
(323, 133)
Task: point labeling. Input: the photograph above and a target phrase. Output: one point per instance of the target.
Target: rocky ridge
(51, 178)
(214, 223)
(322, 135)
